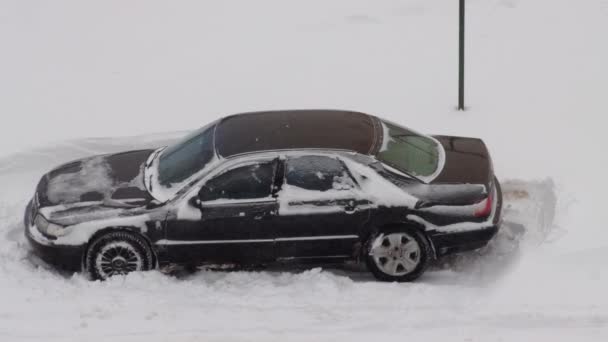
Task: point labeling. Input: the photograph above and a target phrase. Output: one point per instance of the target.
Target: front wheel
(400, 255)
(116, 253)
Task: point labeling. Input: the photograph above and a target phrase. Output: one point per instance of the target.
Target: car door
(236, 207)
(322, 209)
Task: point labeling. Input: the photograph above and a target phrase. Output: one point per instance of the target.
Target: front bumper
(67, 258)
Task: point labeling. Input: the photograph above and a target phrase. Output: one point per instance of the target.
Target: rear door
(322, 210)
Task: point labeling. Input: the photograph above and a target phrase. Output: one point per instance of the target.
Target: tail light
(485, 207)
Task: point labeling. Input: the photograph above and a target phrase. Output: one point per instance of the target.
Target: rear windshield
(408, 151)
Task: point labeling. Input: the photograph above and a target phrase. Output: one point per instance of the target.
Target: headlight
(48, 228)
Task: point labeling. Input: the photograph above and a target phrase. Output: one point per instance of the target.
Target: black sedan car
(268, 187)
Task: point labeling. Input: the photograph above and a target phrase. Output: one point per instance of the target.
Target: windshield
(188, 156)
(408, 151)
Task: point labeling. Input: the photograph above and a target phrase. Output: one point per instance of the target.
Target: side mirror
(153, 204)
(205, 193)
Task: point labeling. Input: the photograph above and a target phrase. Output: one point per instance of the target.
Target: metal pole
(461, 58)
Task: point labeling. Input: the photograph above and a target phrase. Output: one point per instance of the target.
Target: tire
(401, 254)
(116, 253)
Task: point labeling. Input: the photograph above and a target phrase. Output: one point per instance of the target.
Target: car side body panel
(226, 233)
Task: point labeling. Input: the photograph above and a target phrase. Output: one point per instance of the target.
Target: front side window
(409, 152)
(244, 182)
(185, 158)
(317, 173)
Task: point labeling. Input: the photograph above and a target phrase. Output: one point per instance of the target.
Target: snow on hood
(71, 214)
(112, 179)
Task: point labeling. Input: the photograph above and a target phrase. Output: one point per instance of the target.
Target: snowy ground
(463, 296)
(536, 90)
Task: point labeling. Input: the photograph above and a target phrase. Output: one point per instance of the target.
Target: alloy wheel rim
(118, 258)
(395, 254)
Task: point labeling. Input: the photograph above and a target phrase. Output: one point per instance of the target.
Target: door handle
(350, 209)
(264, 216)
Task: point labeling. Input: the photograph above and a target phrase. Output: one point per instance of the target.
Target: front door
(235, 225)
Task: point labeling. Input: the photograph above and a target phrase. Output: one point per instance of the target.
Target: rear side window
(318, 173)
(245, 182)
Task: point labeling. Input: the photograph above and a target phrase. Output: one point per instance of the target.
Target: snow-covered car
(268, 187)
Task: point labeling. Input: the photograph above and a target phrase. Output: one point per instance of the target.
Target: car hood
(111, 181)
(467, 161)
(67, 215)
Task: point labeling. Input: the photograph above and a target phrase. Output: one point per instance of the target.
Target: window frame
(160, 157)
(349, 173)
(273, 189)
(382, 131)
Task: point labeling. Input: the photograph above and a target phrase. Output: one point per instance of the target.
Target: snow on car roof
(295, 129)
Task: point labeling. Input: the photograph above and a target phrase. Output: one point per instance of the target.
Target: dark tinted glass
(317, 173)
(245, 182)
(297, 129)
(185, 158)
(408, 151)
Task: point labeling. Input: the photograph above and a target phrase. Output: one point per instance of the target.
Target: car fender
(129, 229)
(397, 225)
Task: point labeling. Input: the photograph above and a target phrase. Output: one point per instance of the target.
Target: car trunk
(467, 161)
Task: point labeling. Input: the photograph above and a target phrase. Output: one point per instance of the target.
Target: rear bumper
(449, 242)
(455, 242)
(68, 258)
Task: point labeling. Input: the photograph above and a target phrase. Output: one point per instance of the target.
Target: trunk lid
(467, 161)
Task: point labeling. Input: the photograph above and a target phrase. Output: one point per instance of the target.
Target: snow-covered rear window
(245, 182)
(318, 173)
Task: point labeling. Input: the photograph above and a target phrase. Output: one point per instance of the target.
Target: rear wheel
(399, 255)
(117, 253)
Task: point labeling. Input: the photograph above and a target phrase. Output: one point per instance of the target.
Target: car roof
(296, 129)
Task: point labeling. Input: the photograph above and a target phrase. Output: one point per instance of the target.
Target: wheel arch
(392, 226)
(127, 229)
